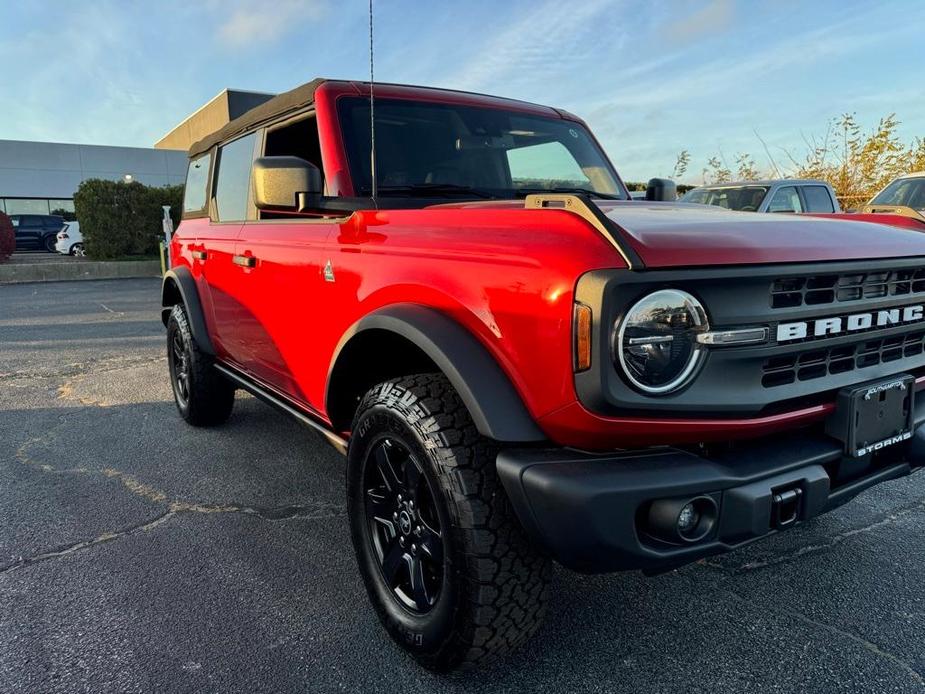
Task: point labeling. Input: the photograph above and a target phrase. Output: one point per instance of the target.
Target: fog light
(688, 519)
(682, 521)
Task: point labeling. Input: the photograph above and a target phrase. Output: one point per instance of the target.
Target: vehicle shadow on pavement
(139, 551)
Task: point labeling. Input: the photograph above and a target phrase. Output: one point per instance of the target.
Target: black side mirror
(661, 189)
(286, 183)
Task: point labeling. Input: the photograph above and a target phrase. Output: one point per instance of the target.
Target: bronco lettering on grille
(824, 327)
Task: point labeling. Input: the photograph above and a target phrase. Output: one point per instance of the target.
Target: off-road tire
(209, 397)
(495, 583)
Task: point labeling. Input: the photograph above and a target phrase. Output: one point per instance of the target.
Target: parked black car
(36, 231)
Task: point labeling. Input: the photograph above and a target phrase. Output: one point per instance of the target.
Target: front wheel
(203, 396)
(51, 242)
(77, 250)
(446, 565)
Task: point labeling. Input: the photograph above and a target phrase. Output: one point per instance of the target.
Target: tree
(746, 168)
(717, 171)
(680, 167)
(7, 237)
(856, 163)
(123, 219)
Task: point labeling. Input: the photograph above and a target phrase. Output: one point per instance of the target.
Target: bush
(123, 219)
(7, 238)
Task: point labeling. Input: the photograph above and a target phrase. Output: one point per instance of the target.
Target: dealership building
(42, 177)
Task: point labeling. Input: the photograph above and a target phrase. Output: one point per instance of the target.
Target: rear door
(219, 275)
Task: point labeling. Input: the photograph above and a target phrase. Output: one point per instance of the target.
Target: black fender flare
(185, 285)
(494, 404)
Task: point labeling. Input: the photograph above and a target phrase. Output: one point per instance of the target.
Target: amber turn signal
(582, 337)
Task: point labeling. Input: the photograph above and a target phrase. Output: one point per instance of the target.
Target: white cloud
(551, 39)
(251, 21)
(713, 18)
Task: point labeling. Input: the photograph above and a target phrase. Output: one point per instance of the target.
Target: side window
(294, 139)
(298, 139)
(195, 194)
(785, 199)
(232, 187)
(818, 199)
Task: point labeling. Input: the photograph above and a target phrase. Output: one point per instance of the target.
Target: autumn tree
(856, 163)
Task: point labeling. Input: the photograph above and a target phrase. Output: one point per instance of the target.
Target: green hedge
(7, 237)
(123, 219)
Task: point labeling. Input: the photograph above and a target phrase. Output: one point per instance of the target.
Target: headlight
(656, 342)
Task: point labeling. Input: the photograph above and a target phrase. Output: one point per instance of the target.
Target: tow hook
(785, 508)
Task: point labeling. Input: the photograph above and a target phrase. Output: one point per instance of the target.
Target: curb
(88, 270)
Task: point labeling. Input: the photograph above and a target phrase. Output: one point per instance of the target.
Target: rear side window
(786, 199)
(232, 186)
(197, 183)
(818, 199)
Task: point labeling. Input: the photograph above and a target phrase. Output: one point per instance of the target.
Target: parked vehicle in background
(783, 195)
(904, 196)
(70, 240)
(522, 364)
(37, 231)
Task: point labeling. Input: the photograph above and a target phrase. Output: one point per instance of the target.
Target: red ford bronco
(523, 365)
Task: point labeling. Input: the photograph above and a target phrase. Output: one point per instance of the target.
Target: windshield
(446, 150)
(908, 192)
(742, 198)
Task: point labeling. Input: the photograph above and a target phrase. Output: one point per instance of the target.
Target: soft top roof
(283, 103)
(301, 97)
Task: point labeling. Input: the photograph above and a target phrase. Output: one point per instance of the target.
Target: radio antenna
(372, 107)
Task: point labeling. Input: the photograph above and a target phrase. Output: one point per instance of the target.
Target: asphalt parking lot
(140, 555)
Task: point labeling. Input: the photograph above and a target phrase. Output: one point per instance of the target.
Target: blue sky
(651, 77)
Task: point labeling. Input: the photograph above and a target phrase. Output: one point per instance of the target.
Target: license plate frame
(875, 415)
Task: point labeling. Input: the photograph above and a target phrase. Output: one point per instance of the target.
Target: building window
(26, 206)
(63, 208)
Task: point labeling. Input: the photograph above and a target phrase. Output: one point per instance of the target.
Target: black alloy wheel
(404, 525)
(179, 358)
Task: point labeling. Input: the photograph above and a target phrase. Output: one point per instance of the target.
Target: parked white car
(70, 240)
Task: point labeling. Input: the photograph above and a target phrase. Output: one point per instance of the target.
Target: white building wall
(52, 170)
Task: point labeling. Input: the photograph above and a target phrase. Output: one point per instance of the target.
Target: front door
(281, 269)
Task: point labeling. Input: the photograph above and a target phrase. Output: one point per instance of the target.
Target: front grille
(805, 366)
(817, 290)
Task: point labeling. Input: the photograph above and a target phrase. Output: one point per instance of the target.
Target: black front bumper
(591, 513)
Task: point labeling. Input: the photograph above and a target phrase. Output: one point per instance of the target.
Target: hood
(679, 234)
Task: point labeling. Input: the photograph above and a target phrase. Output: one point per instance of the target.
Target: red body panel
(505, 273)
(893, 220)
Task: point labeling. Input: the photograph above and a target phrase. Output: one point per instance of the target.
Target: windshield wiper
(436, 189)
(585, 191)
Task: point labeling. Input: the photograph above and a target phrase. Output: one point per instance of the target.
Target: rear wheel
(203, 396)
(446, 564)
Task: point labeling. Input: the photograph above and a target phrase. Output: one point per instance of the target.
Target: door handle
(200, 255)
(245, 260)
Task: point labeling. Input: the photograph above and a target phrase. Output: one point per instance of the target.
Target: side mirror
(286, 183)
(661, 189)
